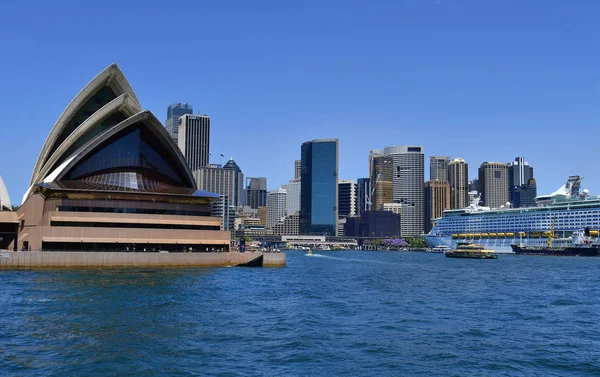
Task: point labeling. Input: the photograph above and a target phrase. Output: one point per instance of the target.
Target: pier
(26, 260)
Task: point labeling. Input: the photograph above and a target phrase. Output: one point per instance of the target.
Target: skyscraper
(493, 184)
(524, 195)
(194, 139)
(474, 185)
(458, 176)
(520, 172)
(319, 190)
(408, 177)
(346, 198)
(297, 169)
(438, 168)
(437, 199)
(522, 191)
(363, 188)
(276, 206)
(256, 192)
(293, 196)
(372, 154)
(175, 111)
(239, 181)
(381, 182)
(225, 181)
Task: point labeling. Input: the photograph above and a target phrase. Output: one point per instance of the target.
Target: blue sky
(478, 79)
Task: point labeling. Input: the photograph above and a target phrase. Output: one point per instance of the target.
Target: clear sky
(478, 79)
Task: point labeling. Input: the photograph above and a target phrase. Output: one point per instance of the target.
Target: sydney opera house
(109, 177)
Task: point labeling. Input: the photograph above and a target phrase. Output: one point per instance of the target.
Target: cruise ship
(559, 214)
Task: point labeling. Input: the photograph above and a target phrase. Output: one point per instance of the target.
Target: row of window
(146, 211)
(135, 226)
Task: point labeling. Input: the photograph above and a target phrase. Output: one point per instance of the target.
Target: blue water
(337, 313)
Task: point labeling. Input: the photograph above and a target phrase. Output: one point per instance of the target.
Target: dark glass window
(129, 158)
(318, 194)
(106, 124)
(129, 225)
(97, 101)
(147, 211)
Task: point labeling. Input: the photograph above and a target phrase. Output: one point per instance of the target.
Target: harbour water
(333, 313)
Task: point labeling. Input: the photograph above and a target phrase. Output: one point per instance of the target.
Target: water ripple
(341, 313)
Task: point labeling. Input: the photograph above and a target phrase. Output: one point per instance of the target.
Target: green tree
(416, 242)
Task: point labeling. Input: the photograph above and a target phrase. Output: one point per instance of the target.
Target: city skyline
(469, 74)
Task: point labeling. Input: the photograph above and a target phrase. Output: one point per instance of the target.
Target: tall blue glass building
(319, 191)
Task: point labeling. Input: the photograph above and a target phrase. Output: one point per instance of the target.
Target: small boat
(440, 249)
(469, 250)
(309, 252)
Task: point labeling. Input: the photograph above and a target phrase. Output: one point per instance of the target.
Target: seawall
(61, 259)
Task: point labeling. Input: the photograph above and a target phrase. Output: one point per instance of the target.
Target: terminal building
(109, 177)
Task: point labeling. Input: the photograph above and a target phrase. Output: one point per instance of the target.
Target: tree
(416, 242)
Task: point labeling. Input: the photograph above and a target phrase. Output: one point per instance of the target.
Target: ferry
(440, 249)
(470, 250)
(562, 213)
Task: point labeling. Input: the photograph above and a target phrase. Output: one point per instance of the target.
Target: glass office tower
(319, 191)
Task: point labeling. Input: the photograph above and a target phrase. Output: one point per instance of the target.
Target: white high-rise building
(276, 206)
(293, 196)
(408, 177)
(194, 139)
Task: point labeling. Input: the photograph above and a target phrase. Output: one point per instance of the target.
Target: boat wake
(346, 259)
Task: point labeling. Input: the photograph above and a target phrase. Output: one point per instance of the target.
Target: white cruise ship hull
(562, 214)
(500, 246)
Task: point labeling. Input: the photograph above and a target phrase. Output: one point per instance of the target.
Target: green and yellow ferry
(470, 250)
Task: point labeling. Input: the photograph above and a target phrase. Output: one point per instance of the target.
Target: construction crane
(369, 195)
(551, 233)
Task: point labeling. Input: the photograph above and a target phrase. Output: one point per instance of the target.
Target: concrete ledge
(60, 259)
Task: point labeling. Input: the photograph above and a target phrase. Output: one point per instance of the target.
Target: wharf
(33, 260)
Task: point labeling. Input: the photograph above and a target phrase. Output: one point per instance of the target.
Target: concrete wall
(47, 259)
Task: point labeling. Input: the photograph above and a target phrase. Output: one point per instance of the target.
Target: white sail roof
(4, 198)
